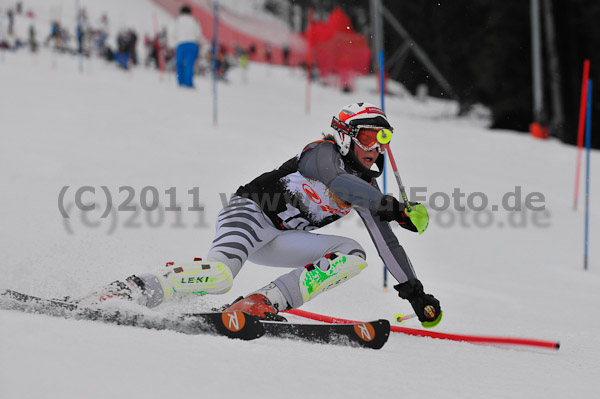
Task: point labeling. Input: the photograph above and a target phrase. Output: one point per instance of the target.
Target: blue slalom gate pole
(382, 92)
(214, 57)
(588, 141)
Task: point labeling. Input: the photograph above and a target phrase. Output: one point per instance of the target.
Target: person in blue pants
(185, 59)
(188, 35)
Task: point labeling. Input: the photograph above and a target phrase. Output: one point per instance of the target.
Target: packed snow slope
(516, 274)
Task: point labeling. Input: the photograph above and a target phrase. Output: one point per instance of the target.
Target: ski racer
(270, 220)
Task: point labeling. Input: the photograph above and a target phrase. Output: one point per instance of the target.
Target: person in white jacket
(188, 36)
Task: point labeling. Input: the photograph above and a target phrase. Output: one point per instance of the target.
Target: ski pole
(400, 318)
(384, 136)
(474, 339)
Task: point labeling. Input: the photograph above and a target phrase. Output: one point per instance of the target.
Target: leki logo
(233, 321)
(365, 331)
(430, 312)
(314, 197)
(193, 280)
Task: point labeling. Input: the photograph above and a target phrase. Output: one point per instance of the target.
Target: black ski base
(372, 334)
(234, 324)
(231, 324)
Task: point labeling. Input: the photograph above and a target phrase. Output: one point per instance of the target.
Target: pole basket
(539, 131)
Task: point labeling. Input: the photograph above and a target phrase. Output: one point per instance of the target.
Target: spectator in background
(55, 35)
(133, 46)
(242, 59)
(156, 49)
(187, 36)
(222, 65)
(3, 30)
(123, 48)
(149, 45)
(81, 30)
(33, 44)
(251, 50)
(286, 55)
(268, 53)
(102, 33)
(11, 22)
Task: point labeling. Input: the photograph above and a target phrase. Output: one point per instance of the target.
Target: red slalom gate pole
(156, 44)
(582, 111)
(474, 339)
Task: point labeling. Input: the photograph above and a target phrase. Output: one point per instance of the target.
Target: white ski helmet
(354, 117)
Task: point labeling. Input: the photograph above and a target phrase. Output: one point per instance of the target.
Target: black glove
(391, 209)
(425, 305)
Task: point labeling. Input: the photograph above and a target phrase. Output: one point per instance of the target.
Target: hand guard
(391, 209)
(426, 307)
(418, 216)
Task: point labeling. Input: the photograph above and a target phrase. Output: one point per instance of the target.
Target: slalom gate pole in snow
(473, 339)
(588, 141)
(582, 112)
(382, 92)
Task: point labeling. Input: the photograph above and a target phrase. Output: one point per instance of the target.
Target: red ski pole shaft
(384, 136)
(473, 339)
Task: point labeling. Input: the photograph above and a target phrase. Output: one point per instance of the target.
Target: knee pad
(328, 273)
(198, 278)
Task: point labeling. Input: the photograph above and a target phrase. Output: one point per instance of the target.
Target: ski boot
(329, 272)
(132, 289)
(257, 305)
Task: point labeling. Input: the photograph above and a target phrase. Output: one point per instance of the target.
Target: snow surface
(111, 128)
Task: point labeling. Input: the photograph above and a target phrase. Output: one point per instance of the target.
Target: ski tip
(373, 334)
(241, 325)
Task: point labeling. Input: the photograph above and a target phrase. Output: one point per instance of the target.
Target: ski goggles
(366, 138)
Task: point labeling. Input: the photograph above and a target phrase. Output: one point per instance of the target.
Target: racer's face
(367, 158)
